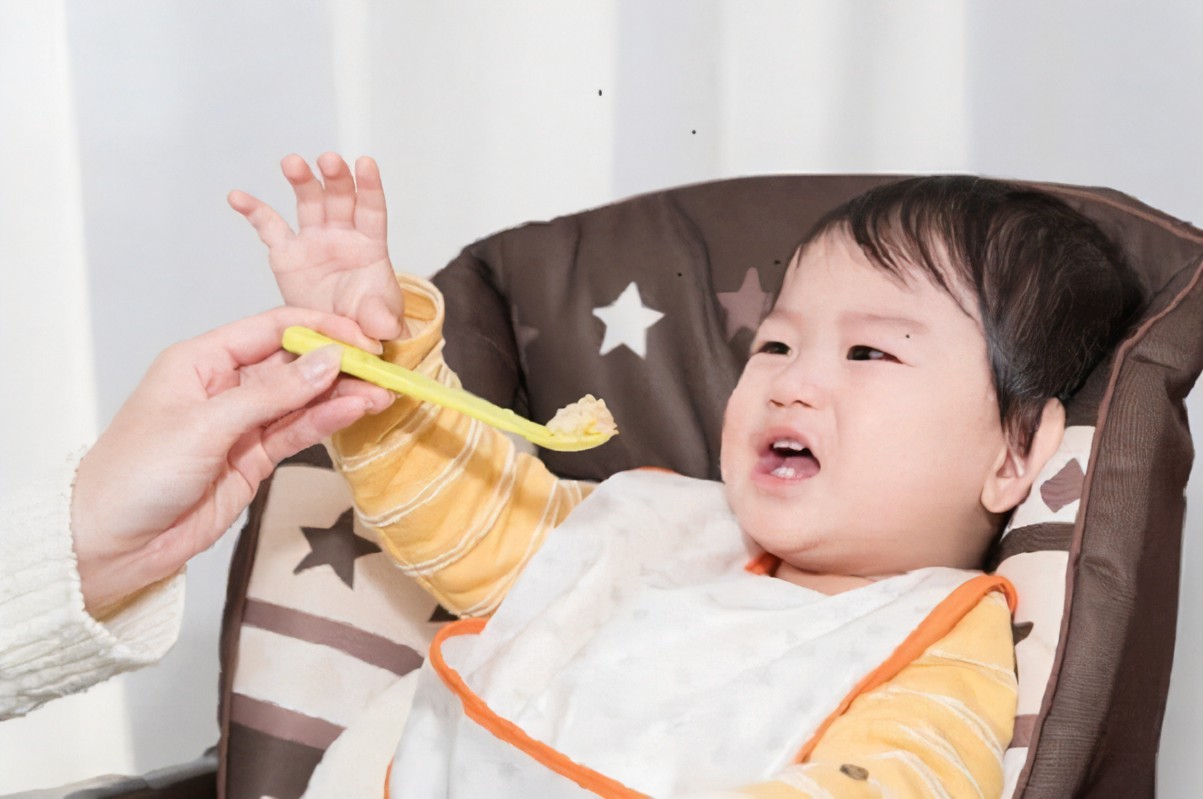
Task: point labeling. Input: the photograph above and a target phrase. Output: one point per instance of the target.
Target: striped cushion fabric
(321, 626)
(1034, 554)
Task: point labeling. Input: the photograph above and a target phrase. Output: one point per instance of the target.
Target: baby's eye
(773, 348)
(860, 352)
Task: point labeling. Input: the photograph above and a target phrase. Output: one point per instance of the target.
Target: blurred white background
(123, 124)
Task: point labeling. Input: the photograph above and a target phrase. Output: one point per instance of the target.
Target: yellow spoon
(365, 366)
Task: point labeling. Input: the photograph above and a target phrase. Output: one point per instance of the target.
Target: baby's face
(864, 426)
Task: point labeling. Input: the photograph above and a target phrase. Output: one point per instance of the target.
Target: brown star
(746, 306)
(336, 546)
(1064, 487)
(1021, 631)
(441, 614)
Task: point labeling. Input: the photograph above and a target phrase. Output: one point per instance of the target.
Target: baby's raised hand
(337, 260)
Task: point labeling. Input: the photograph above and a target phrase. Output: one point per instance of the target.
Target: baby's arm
(939, 728)
(453, 503)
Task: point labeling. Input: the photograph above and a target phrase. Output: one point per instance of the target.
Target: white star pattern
(627, 320)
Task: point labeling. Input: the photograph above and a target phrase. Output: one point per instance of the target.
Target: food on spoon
(587, 416)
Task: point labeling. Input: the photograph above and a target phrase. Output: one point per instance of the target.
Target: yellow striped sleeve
(937, 729)
(453, 502)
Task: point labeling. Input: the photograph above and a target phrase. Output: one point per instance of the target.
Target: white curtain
(48, 403)
(125, 123)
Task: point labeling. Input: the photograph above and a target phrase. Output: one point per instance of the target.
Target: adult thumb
(278, 390)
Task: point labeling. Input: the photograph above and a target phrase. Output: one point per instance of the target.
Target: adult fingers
(311, 201)
(229, 496)
(346, 386)
(270, 226)
(251, 340)
(371, 217)
(275, 393)
(340, 190)
(308, 426)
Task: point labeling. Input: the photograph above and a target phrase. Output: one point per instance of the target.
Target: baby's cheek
(733, 424)
(975, 423)
(949, 412)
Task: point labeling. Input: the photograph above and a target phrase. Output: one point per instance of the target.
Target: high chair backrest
(651, 303)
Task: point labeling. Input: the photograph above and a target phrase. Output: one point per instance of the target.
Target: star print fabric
(610, 322)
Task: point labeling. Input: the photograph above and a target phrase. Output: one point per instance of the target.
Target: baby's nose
(807, 378)
(799, 384)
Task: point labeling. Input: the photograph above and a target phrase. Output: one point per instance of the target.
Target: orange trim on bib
(764, 564)
(476, 709)
(938, 624)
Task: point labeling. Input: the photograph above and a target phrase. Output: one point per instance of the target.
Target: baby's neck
(823, 583)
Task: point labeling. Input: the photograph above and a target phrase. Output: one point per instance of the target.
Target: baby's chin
(810, 546)
(803, 547)
(787, 531)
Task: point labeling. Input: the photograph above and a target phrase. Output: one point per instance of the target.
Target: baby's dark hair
(1054, 293)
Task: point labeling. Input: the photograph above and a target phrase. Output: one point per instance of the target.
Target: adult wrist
(111, 569)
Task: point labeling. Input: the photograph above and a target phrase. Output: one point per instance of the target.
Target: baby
(815, 625)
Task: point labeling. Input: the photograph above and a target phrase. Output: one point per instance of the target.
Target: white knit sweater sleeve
(49, 644)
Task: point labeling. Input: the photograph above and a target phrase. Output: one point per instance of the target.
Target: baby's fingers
(271, 227)
(340, 190)
(311, 197)
(371, 217)
(383, 317)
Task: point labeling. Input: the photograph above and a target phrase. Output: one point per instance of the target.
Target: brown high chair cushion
(651, 303)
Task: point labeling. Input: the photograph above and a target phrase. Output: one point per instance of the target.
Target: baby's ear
(1014, 472)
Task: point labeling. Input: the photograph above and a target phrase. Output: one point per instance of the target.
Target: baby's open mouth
(789, 459)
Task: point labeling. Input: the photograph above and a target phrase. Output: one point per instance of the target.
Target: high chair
(651, 303)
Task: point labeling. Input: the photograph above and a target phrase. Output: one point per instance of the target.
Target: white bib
(637, 654)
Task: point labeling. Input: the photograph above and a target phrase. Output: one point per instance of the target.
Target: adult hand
(337, 260)
(186, 452)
